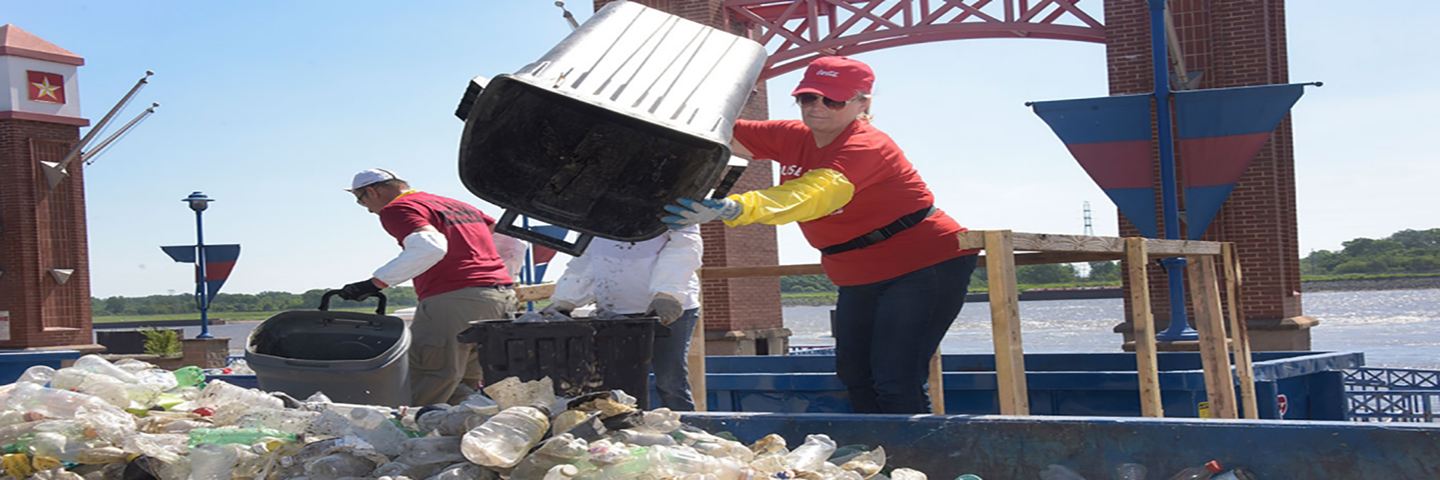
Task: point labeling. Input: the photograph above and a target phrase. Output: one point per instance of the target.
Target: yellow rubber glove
(815, 194)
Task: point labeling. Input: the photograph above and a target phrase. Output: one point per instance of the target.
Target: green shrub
(162, 342)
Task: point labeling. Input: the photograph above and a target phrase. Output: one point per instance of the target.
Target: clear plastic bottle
(1058, 472)
(38, 374)
(686, 462)
(1130, 471)
(110, 421)
(288, 421)
(643, 439)
(338, 465)
(376, 428)
(211, 461)
(811, 454)
(431, 450)
(661, 420)
(503, 439)
(217, 394)
(243, 436)
(561, 450)
(97, 364)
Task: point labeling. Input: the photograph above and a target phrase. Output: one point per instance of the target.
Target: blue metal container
(1020, 447)
(1306, 385)
(13, 363)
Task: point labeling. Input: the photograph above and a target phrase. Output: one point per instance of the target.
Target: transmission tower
(1089, 229)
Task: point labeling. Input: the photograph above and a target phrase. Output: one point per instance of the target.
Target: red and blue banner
(219, 261)
(1111, 139)
(1219, 132)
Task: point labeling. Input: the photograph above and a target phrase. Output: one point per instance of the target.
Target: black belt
(882, 233)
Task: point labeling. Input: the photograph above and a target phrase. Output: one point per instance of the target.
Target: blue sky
(270, 107)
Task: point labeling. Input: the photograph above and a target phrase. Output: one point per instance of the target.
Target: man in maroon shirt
(460, 276)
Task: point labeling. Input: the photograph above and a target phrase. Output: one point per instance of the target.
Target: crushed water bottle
(210, 461)
(243, 436)
(812, 453)
(561, 450)
(376, 428)
(431, 450)
(339, 465)
(96, 364)
(38, 374)
(503, 439)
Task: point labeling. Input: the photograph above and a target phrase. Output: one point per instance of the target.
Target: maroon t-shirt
(470, 258)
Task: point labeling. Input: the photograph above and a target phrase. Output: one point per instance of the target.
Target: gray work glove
(666, 307)
(558, 307)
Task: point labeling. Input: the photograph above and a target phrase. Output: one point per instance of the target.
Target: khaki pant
(443, 370)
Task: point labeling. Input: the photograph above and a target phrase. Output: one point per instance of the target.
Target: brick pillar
(1235, 43)
(742, 316)
(42, 229)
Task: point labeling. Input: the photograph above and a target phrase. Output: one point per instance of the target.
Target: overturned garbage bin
(629, 113)
(351, 357)
(579, 356)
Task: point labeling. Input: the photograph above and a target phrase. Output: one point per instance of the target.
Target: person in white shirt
(656, 277)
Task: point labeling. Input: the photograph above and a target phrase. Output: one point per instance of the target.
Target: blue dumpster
(1020, 447)
(1289, 385)
(13, 363)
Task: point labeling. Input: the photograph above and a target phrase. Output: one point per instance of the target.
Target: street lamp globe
(198, 201)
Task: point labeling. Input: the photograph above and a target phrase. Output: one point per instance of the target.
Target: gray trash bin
(352, 357)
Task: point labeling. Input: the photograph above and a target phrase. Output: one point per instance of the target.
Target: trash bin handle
(295, 363)
(733, 169)
(325, 301)
(506, 227)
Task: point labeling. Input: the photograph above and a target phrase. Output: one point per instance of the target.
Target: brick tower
(44, 257)
(742, 316)
(1234, 43)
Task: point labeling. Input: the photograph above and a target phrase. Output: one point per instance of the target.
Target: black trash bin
(631, 112)
(580, 357)
(351, 357)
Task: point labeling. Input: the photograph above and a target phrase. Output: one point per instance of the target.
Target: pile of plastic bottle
(132, 420)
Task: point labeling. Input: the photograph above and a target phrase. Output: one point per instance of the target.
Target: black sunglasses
(805, 99)
(360, 195)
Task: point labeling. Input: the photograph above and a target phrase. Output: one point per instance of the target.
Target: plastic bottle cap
(1214, 466)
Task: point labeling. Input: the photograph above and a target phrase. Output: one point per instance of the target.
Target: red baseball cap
(837, 78)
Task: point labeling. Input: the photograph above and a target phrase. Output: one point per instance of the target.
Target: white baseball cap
(371, 176)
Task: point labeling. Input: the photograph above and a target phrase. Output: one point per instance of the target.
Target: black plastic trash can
(351, 357)
(580, 357)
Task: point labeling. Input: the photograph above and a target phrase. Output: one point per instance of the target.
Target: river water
(1395, 328)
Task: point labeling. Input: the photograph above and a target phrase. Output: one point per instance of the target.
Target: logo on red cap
(838, 78)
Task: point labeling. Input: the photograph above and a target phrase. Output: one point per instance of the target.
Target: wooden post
(1147, 367)
(1239, 334)
(1214, 356)
(937, 384)
(695, 362)
(1005, 323)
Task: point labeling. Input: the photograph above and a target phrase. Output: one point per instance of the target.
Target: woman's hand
(690, 212)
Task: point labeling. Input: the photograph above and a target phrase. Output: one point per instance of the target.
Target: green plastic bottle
(242, 436)
(189, 376)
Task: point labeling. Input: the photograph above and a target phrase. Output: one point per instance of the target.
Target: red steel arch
(798, 31)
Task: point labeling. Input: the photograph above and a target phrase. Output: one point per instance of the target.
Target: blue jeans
(885, 333)
(672, 375)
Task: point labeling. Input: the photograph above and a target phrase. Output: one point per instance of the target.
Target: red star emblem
(46, 87)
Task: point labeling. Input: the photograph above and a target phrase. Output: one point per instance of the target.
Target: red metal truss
(798, 31)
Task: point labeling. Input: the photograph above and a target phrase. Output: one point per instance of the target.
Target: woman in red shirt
(895, 257)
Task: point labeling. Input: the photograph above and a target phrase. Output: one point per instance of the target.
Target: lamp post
(199, 202)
